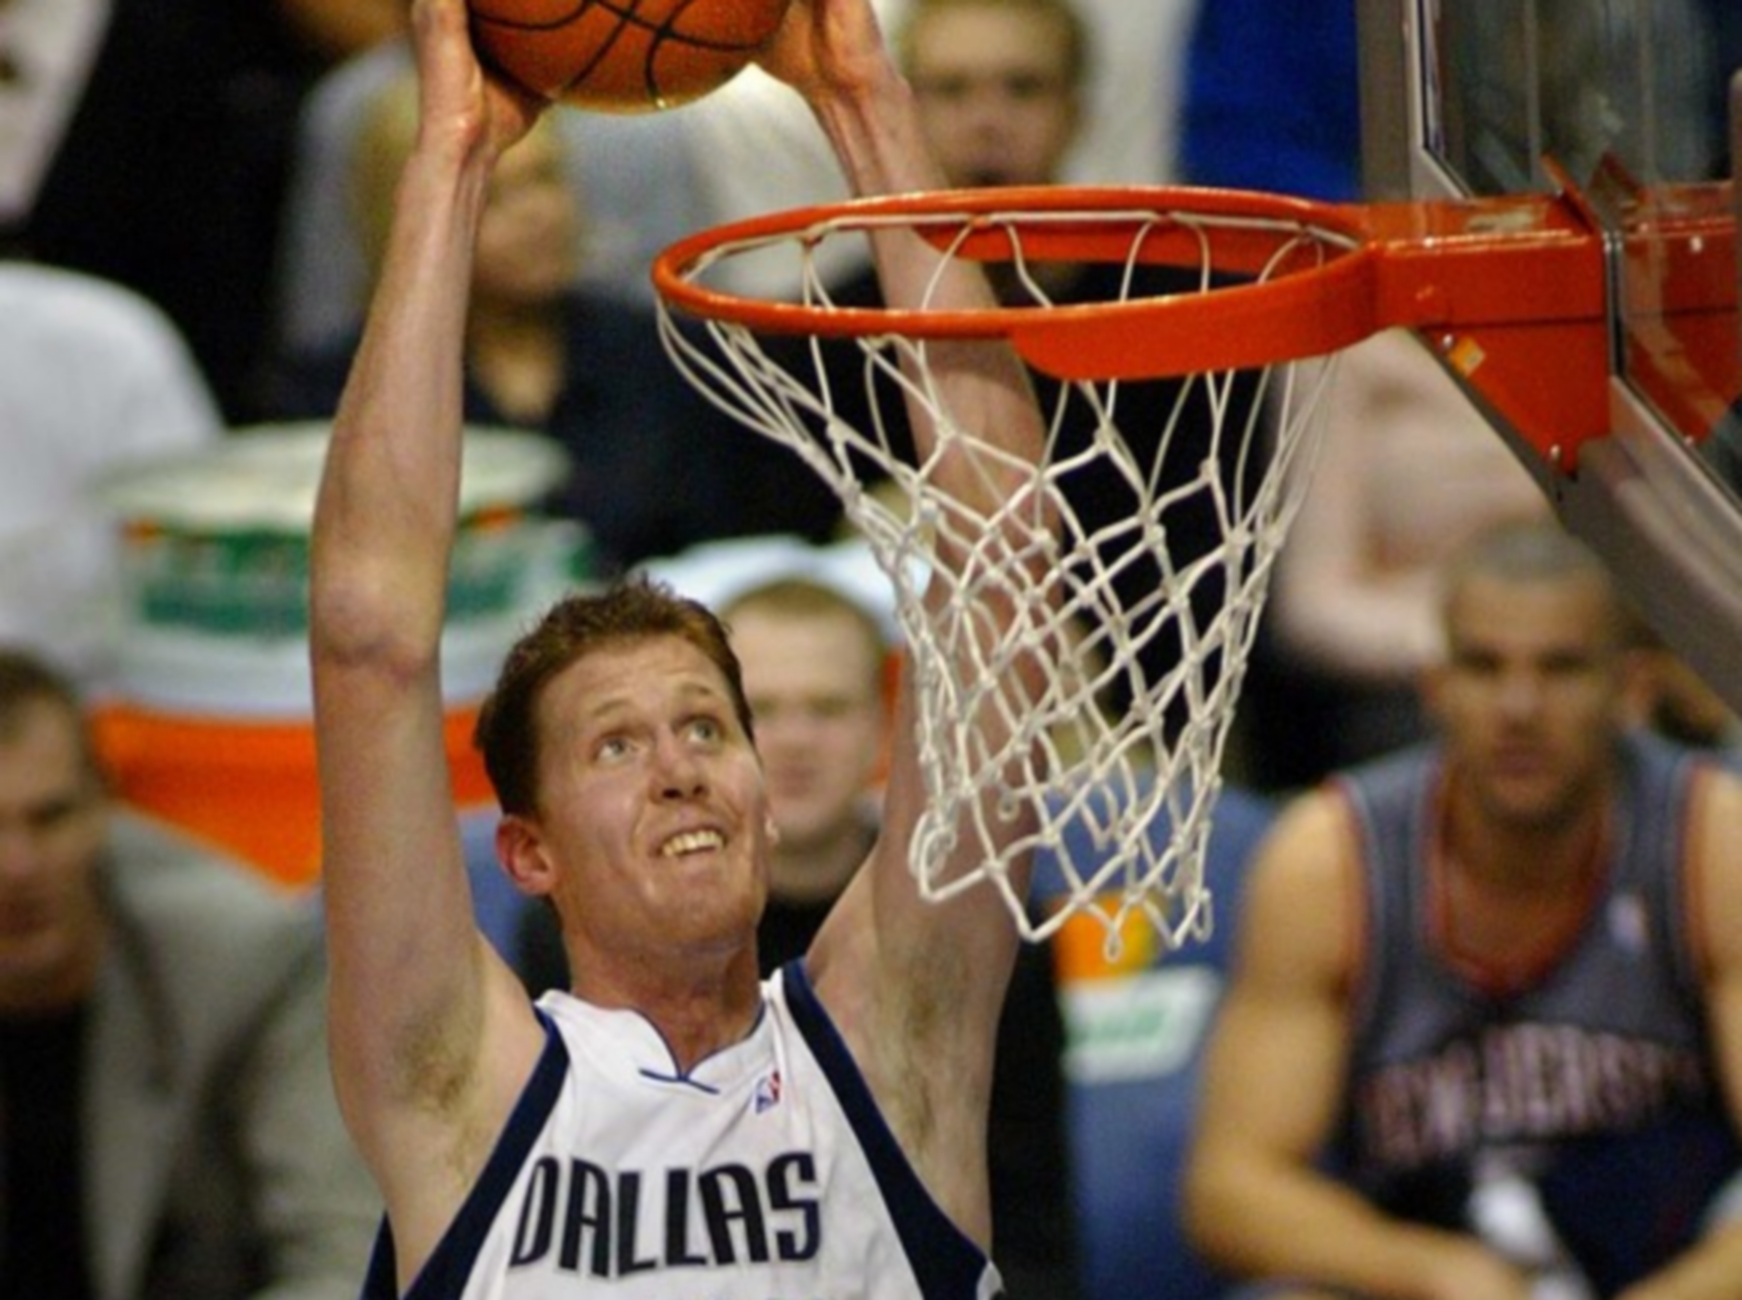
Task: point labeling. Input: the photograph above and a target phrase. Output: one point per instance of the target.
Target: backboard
(1632, 108)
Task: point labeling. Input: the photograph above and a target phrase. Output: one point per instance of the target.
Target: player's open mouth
(692, 842)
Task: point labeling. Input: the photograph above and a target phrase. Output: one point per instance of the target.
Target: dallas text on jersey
(580, 1217)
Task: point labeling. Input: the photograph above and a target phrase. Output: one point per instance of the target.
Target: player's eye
(943, 89)
(1030, 87)
(51, 815)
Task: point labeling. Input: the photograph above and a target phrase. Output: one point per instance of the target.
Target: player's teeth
(693, 842)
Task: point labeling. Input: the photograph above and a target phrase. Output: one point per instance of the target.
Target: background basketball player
(1492, 983)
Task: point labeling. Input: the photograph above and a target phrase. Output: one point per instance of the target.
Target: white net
(1174, 496)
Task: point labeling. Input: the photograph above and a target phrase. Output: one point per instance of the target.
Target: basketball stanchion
(1511, 291)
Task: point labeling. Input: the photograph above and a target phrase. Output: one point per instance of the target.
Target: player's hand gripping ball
(623, 56)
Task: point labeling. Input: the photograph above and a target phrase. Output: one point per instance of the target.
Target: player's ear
(1641, 684)
(520, 851)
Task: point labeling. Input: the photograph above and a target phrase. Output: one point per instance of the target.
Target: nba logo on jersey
(1629, 923)
(767, 1093)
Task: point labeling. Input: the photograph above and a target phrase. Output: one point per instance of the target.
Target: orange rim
(1511, 291)
(1316, 303)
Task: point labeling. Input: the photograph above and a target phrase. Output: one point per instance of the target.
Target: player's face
(652, 803)
(53, 820)
(813, 682)
(994, 94)
(1531, 697)
(529, 237)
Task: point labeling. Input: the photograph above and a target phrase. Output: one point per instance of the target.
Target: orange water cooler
(246, 785)
(209, 723)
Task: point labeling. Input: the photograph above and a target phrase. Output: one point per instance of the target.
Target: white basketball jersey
(764, 1173)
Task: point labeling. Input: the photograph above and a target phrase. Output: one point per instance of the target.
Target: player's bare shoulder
(1301, 913)
(1715, 854)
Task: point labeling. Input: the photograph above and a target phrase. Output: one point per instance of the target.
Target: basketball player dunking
(674, 1126)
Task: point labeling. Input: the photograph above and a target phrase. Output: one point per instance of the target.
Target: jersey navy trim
(948, 1265)
(450, 1265)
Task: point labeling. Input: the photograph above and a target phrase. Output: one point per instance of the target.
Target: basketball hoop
(1265, 289)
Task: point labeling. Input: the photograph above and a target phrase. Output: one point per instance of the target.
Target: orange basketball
(623, 56)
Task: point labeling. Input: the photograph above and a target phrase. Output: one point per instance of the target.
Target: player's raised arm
(832, 53)
(415, 990)
(917, 987)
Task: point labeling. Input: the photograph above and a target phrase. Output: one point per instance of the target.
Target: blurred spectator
(147, 141)
(635, 176)
(579, 364)
(747, 149)
(1271, 98)
(92, 378)
(755, 150)
(168, 1129)
(815, 666)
